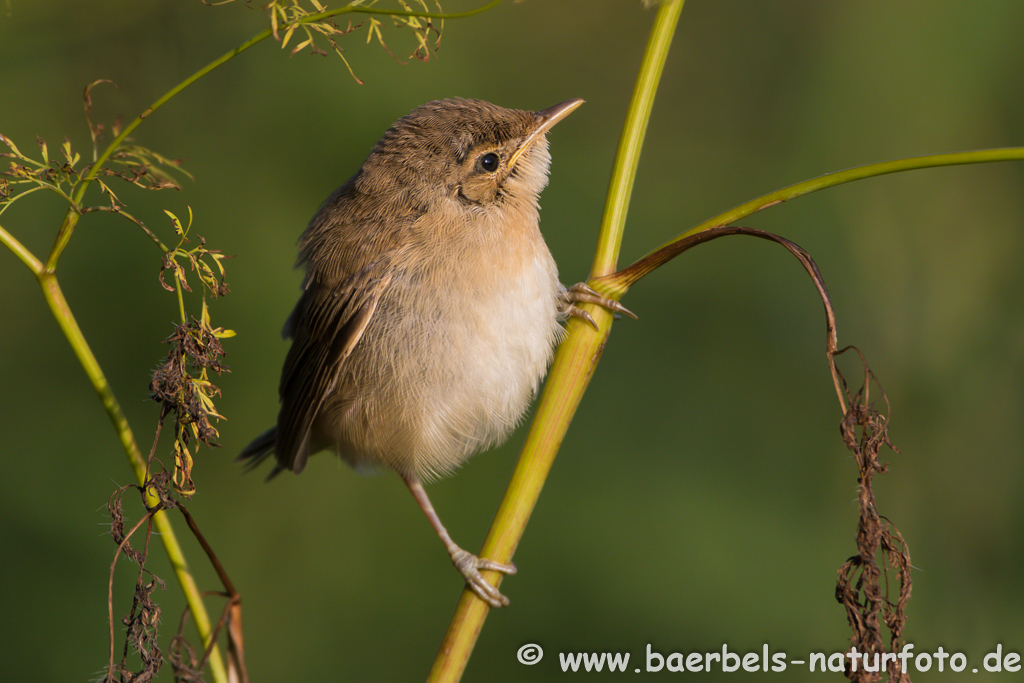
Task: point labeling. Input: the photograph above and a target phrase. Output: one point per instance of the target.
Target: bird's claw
(582, 293)
(469, 565)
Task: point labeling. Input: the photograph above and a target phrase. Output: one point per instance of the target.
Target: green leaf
(176, 223)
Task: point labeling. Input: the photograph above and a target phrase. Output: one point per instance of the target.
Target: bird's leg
(582, 293)
(467, 563)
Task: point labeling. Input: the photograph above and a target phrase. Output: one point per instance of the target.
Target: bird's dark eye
(489, 162)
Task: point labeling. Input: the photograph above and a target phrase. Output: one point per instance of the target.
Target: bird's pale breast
(454, 353)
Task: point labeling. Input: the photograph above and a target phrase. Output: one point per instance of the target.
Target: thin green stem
(124, 214)
(312, 18)
(68, 226)
(181, 300)
(116, 142)
(21, 251)
(39, 186)
(69, 326)
(860, 173)
(570, 374)
(616, 284)
(627, 158)
(62, 313)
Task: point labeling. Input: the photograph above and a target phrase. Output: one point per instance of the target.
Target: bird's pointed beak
(546, 119)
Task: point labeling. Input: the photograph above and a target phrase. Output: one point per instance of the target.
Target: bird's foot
(469, 565)
(582, 293)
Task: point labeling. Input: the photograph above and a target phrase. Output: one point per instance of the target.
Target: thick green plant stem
(570, 374)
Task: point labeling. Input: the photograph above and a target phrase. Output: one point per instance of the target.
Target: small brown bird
(431, 304)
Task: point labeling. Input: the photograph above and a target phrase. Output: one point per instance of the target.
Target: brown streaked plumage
(431, 304)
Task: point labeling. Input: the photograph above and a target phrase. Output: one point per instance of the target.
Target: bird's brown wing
(325, 326)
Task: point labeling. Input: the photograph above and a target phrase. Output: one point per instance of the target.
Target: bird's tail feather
(261, 448)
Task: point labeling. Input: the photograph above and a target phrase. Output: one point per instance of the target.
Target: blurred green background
(703, 495)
